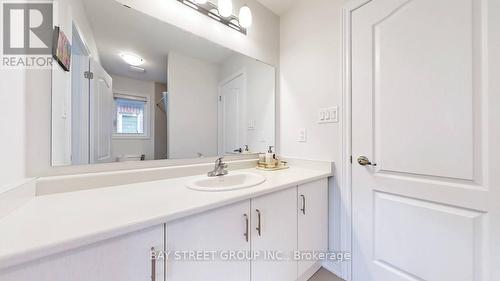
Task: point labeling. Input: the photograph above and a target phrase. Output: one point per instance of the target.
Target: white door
(312, 224)
(231, 115)
(220, 231)
(274, 236)
(125, 258)
(101, 114)
(419, 96)
(80, 58)
(79, 110)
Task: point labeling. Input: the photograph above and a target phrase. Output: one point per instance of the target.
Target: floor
(324, 275)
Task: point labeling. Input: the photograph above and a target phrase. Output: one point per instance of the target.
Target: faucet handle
(219, 162)
(219, 169)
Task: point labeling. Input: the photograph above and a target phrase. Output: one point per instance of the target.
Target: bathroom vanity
(108, 233)
(103, 206)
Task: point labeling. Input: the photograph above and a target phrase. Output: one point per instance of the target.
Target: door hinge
(351, 159)
(88, 75)
(220, 98)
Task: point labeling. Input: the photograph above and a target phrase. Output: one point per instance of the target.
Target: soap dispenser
(270, 155)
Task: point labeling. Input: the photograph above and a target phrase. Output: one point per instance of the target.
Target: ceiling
(119, 29)
(279, 7)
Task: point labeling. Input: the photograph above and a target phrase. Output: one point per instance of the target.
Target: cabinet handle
(246, 227)
(153, 265)
(303, 209)
(259, 227)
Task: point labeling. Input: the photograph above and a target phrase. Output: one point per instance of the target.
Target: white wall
(192, 109)
(25, 145)
(135, 146)
(261, 42)
(260, 99)
(310, 78)
(310, 65)
(66, 13)
(160, 124)
(12, 126)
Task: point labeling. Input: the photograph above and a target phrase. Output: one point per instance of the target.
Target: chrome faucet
(219, 169)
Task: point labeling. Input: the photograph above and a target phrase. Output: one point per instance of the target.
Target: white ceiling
(279, 7)
(119, 29)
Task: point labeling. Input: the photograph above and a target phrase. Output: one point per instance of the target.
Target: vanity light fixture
(223, 13)
(132, 59)
(190, 4)
(214, 15)
(225, 8)
(245, 17)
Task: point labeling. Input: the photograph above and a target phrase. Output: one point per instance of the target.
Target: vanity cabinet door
(274, 232)
(312, 224)
(126, 258)
(220, 232)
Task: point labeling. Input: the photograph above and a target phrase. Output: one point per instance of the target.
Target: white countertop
(55, 223)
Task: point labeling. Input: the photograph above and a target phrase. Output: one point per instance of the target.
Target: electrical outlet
(328, 115)
(302, 137)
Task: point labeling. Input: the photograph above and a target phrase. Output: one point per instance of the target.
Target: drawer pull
(303, 209)
(246, 227)
(259, 226)
(153, 264)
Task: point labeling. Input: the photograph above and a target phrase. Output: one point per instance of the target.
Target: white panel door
(218, 231)
(421, 211)
(232, 115)
(274, 233)
(101, 114)
(126, 258)
(312, 222)
(79, 110)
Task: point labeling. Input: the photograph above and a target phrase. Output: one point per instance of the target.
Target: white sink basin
(232, 181)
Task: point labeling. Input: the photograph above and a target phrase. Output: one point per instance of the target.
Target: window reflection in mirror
(141, 89)
(130, 115)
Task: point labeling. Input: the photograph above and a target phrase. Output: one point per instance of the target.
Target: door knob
(364, 161)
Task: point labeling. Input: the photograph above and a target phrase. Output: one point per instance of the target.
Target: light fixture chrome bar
(214, 16)
(190, 4)
(208, 10)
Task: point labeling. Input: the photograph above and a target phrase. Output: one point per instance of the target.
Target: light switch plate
(251, 125)
(328, 115)
(302, 137)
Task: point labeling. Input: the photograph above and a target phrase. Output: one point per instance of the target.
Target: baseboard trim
(333, 267)
(310, 272)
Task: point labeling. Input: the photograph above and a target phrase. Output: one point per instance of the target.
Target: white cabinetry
(312, 223)
(277, 238)
(199, 247)
(126, 258)
(225, 229)
(278, 226)
(271, 229)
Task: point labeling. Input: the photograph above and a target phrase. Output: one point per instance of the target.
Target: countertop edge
(18, 259)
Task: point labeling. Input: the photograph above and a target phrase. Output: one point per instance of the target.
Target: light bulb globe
(245, 17)
(225, 8)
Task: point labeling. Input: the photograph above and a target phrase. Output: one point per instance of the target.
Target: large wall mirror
(141, 89)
